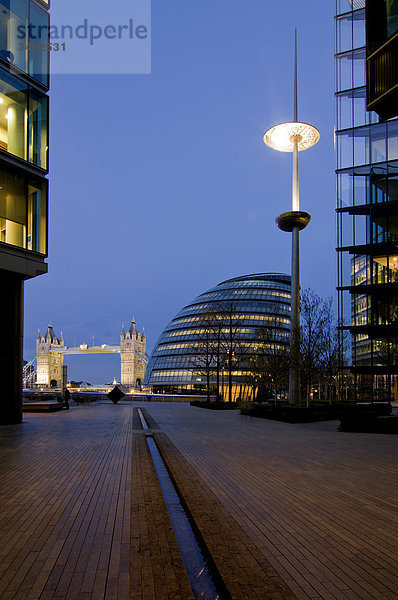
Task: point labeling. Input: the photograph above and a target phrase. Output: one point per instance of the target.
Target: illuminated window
(23, 120)
(23, 211)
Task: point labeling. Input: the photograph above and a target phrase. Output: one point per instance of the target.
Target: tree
(273, 357)
(333, 348)
(269, 363)
(204, 360)
(388, 356)
(258, 375)
(215, 323)
(388, 352)
(233, 345)
(314, 317)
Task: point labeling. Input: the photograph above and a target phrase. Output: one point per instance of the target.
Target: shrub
(363, 416)
(215, 405)
(291, 413)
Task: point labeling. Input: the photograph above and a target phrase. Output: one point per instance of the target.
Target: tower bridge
(50, 352)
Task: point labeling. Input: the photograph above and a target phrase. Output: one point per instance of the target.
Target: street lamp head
(282, 137)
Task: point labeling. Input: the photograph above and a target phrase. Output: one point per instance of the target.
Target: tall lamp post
(293, 137)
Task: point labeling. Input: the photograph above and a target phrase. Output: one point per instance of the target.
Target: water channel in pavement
(205, 583)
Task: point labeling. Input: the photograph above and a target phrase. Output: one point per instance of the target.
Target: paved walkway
(65, 505)
(321, 506)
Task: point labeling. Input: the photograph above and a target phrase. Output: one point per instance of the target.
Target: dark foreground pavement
(320, 505)
(82, 516)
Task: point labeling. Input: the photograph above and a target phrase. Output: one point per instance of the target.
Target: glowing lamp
(283, 137)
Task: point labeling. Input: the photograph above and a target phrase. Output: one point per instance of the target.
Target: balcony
(382, 79)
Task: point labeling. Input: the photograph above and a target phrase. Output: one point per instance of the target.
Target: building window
(14, 19)
(13, 112)
(38, 129)
(392, 17)
(23, 211)
(343, 6)
(39, 36)
(24, 28)
(23, 121)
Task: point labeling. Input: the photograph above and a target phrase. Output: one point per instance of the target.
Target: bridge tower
(49, 358)
(132, 366)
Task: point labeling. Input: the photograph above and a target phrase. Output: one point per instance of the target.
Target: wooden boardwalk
(320, 505)
(65, 505)
(246, 574)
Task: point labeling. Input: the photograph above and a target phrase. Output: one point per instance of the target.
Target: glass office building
(251, 302)
(24, 83)
(367, 212)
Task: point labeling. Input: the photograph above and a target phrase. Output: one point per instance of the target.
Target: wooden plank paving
(157, 569)
(320, 506)
(246, 574)
(65, 502)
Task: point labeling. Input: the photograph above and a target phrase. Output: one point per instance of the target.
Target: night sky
(161, 185)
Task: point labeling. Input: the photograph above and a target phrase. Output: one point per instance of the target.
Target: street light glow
(283, 136)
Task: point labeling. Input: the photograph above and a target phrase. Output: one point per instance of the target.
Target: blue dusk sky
(161, 186)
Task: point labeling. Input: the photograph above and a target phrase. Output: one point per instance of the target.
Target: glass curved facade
(234, 309)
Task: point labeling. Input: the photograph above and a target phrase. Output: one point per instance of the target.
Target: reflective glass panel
(347, 230)
(344, 33)
(345, 149)
(38, 129)
(360, 190)
(38, 42)
(378, 143)
(343, 6)
(344, 72)
(392, 140)
(361, 115)
(344, 110)
(13, 27)
(344, 190)
(361, 145)
(359, 31)
(360, 230)
(379, 189)
(392, 17)
(359, 101)
(392, 188)
(359, 63)
(37, 218)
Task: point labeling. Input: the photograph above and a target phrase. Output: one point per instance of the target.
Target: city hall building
(251, 302)
(24, 83)
(367, 191)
